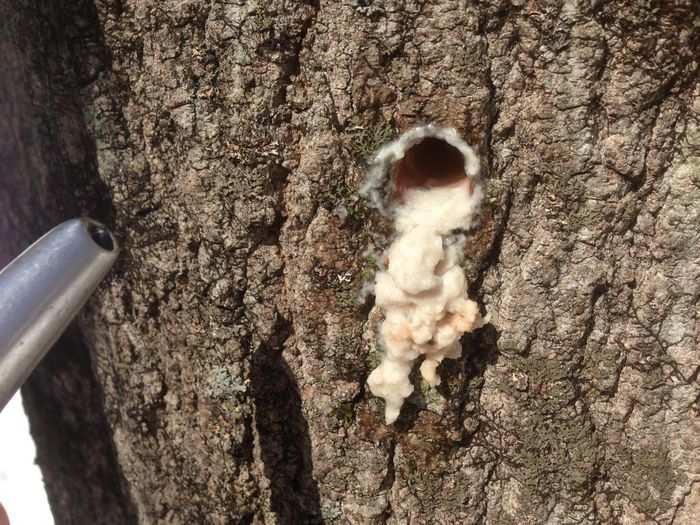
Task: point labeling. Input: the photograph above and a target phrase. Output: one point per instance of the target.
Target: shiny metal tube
(42, 290)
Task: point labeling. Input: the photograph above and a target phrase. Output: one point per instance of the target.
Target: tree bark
(224, 143)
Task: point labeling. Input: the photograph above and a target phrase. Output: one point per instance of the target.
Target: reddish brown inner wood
(429, 164)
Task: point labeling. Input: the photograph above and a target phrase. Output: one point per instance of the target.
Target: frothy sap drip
(423, 290)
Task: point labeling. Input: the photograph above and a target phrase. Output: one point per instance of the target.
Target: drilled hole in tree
(430, 163)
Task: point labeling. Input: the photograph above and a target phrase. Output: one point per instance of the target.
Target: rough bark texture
(229, 353)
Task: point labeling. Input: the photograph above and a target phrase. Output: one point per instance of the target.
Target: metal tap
(42, 290)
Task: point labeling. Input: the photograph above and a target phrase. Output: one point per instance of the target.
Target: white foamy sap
(423, 290)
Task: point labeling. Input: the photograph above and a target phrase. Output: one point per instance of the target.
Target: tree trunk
(224, 143)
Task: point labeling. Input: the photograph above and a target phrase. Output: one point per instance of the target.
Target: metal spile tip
(42, 290)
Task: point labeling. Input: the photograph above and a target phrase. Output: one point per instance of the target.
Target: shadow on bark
(284, 440)
(74, 449)
(52, 176)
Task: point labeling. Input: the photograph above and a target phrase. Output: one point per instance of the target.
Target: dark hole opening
(430, 163)
(101, 236)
